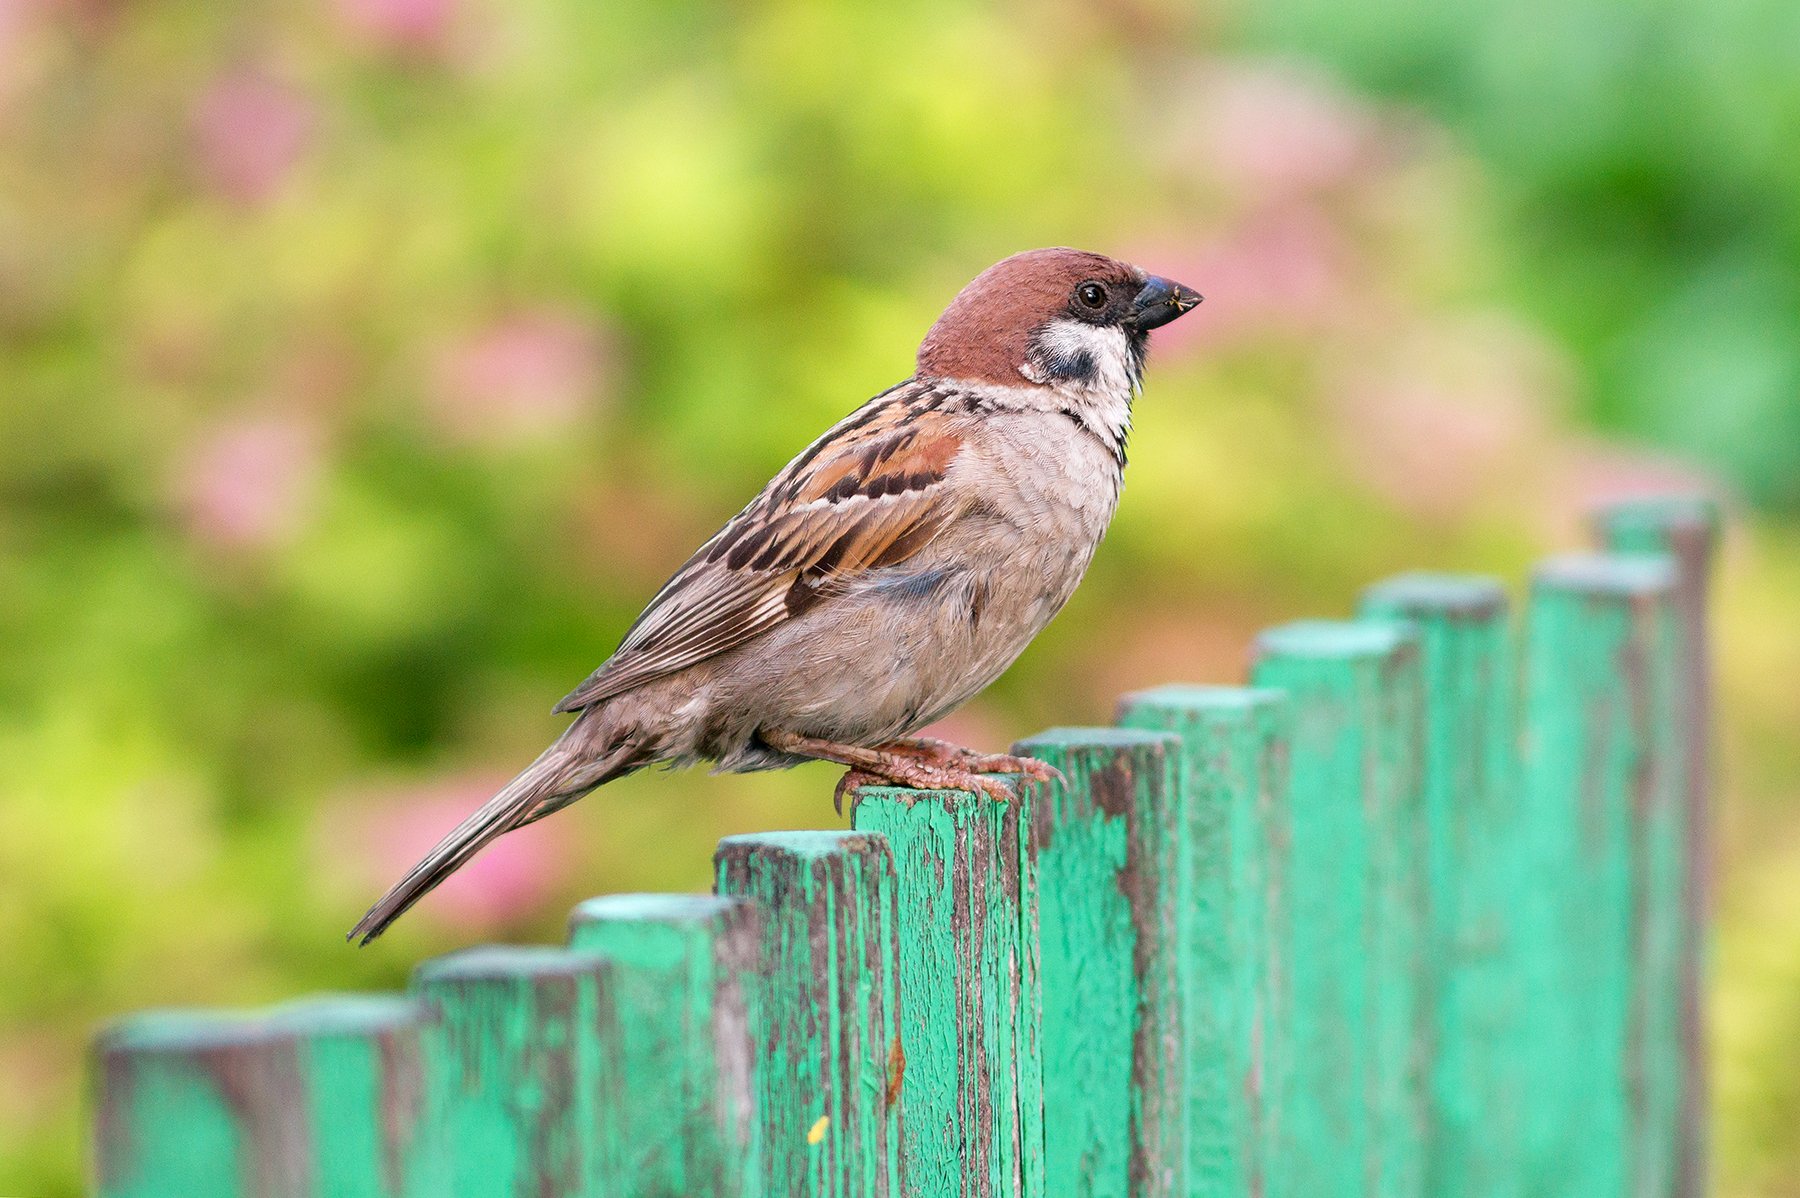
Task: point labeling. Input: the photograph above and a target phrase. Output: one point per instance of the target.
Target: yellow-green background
(365, 364)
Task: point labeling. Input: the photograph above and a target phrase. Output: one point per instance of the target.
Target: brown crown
(984, 333)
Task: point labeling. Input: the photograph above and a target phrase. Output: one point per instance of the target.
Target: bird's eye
(1091, 295)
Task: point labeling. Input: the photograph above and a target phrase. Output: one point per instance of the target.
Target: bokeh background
(365, 364)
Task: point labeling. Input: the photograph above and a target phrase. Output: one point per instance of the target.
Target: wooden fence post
(1112, 916)
(1603, 771)
(970, 1004)
(1234, 782)
(1687, 530)
(1472, 1008)
(829, 1062)
(319, 1097)
(1353, 1105)
(1388, 923)
(682, 967)
(523, 1050)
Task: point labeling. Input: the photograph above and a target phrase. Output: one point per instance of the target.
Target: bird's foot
(913, 762)
(915, 773)
(942, 752)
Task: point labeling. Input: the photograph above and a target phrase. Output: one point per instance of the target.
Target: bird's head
(1055, 317)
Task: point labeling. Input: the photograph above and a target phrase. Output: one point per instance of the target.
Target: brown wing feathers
(836, 512)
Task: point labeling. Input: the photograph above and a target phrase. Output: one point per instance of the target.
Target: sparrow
(883, 578)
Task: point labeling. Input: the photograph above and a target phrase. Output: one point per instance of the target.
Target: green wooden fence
(1419, 912)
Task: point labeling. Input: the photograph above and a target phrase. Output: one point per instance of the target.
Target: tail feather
(558, 777)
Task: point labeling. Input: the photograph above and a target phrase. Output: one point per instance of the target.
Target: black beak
(1159, 302)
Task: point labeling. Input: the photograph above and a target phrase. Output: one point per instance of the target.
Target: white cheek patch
(1096, 356)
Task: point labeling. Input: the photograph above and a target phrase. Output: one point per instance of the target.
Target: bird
(885, 576)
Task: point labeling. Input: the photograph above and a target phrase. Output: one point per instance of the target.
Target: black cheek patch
(1079, 366)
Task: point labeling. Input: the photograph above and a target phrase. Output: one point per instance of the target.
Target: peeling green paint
(201, 1105)
(1476, 1090)
(523, 1051)
(681, 967)
(1686, 530)
(828, 1010)
(1376, 927)
(1234, 777)
(969, 995)
(1112, 912)
(1351, 1105)
(321, 1096)
(1602, 771)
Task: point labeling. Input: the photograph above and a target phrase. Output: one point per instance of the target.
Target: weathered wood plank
(1352, 1105)
(197, 1103)
(363, 1060)
(682, 967)
(523, 1049)
(1234, 783)
(970, 1003)
(319, 1098)
(1687, 530)
(1602, 775)
(1113, 913)
(829, 1060)
(1472, 1009)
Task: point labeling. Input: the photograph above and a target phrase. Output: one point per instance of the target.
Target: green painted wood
(682, 964)
(970, 1003)
(362, 1059)
(1353, 1102)
(196, 1104)
(523, 1047)
(1469, 998)
(829, 1061)
(1686, 530)
(1234, 778)
(1113, 913)
(1602, 774)
(318, 1098)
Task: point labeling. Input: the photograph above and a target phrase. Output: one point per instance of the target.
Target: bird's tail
(560, 775)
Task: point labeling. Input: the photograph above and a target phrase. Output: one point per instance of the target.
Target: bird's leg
(883, 765)
(943, 752)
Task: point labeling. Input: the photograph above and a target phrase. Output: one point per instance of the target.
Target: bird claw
(1006, 763)
(922, 776)
(852, 779)
(935, 765)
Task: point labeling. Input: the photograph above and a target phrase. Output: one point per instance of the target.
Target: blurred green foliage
(1644, 154)
(365, 366)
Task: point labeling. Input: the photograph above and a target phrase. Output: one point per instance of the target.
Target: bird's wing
(868, 494)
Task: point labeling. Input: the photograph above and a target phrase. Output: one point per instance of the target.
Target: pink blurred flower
(504, 883)
(250, 129)
(1283, 272)
(1600, 472)
(249, 481)
(529, 375)
(1447, 415)
(409, 26)
(1277, 131)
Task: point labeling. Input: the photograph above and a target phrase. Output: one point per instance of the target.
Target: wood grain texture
(1352, 1103)
(1686, 530)
(1113, 912)
(1233, 763)
(523, 1051)
(320, 1097)
(970, 1002)
(1470, 1001)
(682, 972)
(1234, 781)
(193, 1103)
(827, 1029)
(1603, 773)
